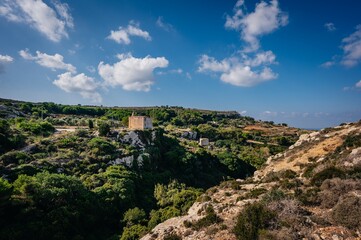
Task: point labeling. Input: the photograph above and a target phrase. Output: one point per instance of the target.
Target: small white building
(203, 142)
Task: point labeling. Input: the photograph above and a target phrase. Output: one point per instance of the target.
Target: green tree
(53, 206)
(104, 129)
(90, 124)
(134, 232)
(134, 216)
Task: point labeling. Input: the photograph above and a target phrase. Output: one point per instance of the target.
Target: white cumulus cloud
(80, 83)
(266, 18)
(54, 62)
(132, 74)
(351, 46)
(242, 72)
(250, 65)
(51, 22)
(122, 35)
(6, 59)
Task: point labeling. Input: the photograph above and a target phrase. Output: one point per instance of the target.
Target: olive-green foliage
(176, 194)
(352, 141)
(15, 157)
(253, 218)
(133, 232)
(206, 130)
(37, 127)
(236, 166)
(53, 206)
(9, 138)
(5, 192)
(160, 215)
(68, 142)
(100, 146)
(104, 128)
(134, 216)
(116, 186)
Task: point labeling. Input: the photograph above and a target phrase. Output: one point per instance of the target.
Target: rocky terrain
(310, 191)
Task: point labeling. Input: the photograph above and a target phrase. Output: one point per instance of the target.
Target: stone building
(203, 142)
(140, 123)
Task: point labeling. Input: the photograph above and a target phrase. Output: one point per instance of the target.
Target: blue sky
(288, 61)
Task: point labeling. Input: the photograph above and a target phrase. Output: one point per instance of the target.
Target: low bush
(254, 193)
(172, 236)
(210, 218)
(309, 197)
(133, 232)
(328, 173)
(333, 189)
(15, 157)
(251, 220)
(347, 212)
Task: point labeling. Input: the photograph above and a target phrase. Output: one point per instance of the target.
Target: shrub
(15, 157)
(352, 141)
(37, 128)
(330, 172)
(254, 193)
(104, 129)
(134, 216)
(210, 218)
(333, 189)
(133, 232)
(309, 197)
(172, 236)
(253, 218)
(100, 146)
(347, 212)
(288, 174)
(273, 195)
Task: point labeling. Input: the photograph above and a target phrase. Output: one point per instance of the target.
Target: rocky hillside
(310, 191)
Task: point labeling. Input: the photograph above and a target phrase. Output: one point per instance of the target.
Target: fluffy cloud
(266, 18)
(249, 66)
(358, 84)
(131, 73)
(53, 23)
(122, 35)
(49, 61)
(351, 46)
(242, 72)
(330, 27)
(164, 25)
(80, 83)
(4, 59)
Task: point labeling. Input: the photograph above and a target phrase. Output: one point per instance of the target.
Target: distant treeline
(172, 114)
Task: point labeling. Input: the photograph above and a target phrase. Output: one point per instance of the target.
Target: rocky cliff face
(312, 190)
